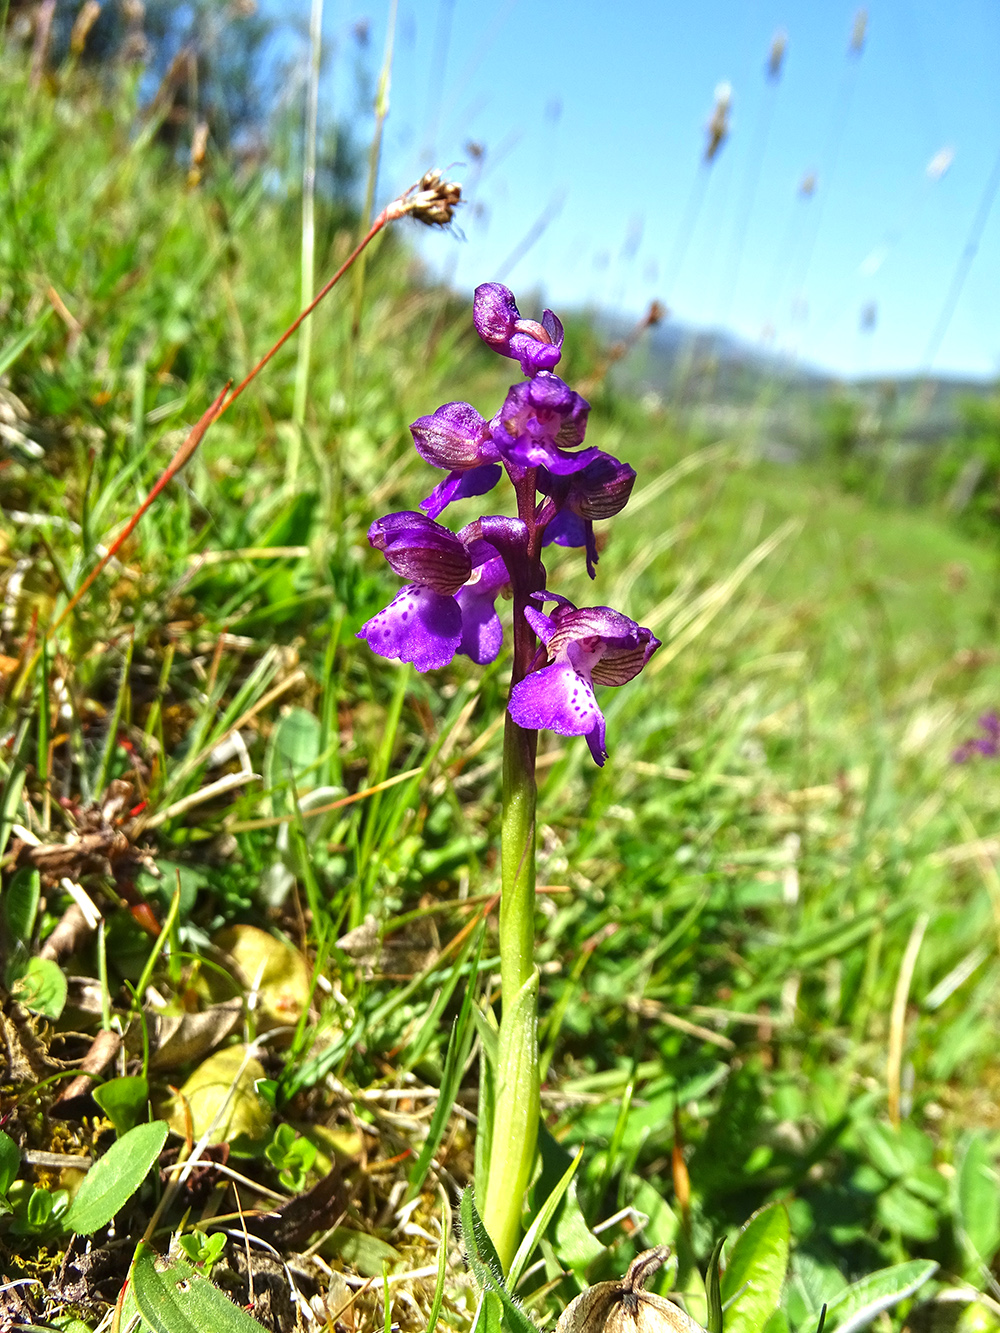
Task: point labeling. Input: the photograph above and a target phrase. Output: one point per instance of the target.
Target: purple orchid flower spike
(498, 322)
(600, 490)
(593, 644)
(541, 422)
(447, 606)
(456, 439)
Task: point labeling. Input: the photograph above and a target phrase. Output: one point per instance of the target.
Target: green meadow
(254, 868)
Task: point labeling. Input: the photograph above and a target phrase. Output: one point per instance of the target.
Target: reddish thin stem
(221, 404)
(194, 438)
(387, 215)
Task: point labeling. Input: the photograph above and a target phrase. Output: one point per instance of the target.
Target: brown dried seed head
(718, 125)
(858, 31)
(85, 20)
(433, 200)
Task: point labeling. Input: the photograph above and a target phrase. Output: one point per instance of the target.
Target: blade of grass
(374, 158)
(459, 1045)
(308, 240)
(429, 1027)
(439, 1284)
(897, 1019)
(12, 349)
(103, 772)
(541, 1221)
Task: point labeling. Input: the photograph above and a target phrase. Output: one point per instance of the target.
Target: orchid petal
(461, 486)
(419, 626)
(421, 551)
(482, 632)
(455, 437)
(543, 625)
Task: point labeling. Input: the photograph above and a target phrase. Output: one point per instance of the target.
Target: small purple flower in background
(583, 646)
(453, 579)
(987, 745)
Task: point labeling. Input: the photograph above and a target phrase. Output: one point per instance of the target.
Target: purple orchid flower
(498, 322)
(447, 607)
(456, 439)
(592, 644)
(987, 745)
(448, 603)
(482, 633)
(540, 423)
(600, 490)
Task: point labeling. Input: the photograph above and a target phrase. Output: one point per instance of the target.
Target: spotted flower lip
(537, 346)
(447, 607)
(541, 422)
(419, 625)
(584, 646)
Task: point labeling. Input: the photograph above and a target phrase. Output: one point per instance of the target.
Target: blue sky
(593, 120)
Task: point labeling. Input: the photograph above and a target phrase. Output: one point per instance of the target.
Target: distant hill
(721, 384)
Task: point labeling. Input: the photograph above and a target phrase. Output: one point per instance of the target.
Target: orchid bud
(537, 346)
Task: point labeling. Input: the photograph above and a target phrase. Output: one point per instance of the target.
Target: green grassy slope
(733, 896)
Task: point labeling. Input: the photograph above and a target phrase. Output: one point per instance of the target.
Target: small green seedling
(38, 984)
(37, 1211)
(293, 1155)
(123, 1101)
(201, 1249)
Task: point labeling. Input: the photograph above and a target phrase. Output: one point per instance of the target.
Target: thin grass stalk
(374, 158)
(897, 1022)
(308, 240)
(397, 209)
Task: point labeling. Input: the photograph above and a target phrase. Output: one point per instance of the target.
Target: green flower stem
(515, 1118)
(517, 863)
